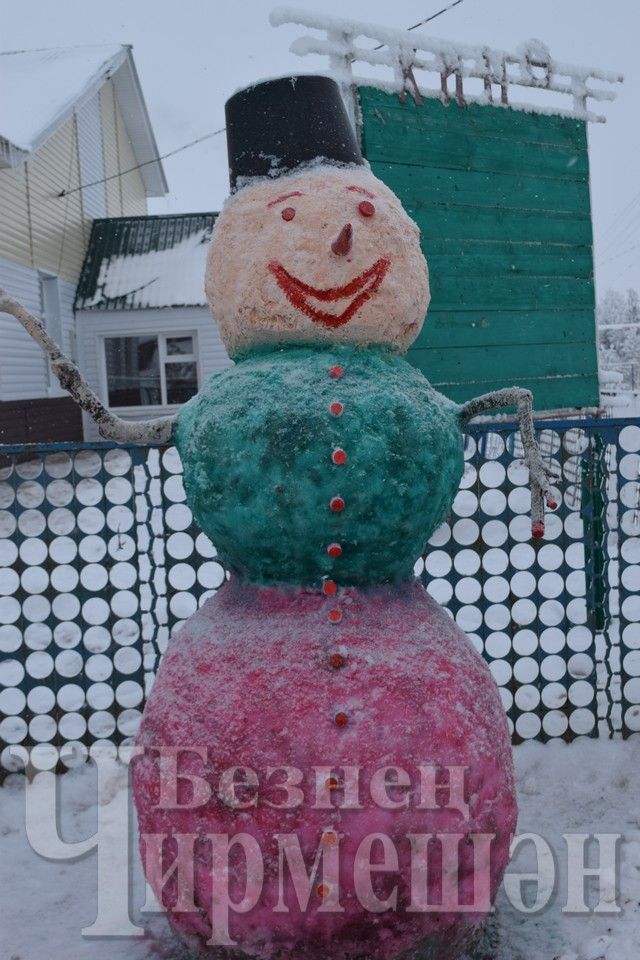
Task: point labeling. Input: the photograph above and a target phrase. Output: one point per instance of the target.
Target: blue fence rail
(100, 563)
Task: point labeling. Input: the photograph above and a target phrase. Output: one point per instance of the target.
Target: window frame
(52, 321)
(163, 359)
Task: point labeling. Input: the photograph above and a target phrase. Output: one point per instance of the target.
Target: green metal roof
(135, 263)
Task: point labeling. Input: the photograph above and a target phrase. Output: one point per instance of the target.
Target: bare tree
(110, 426)
(160, 431)
(539, 473)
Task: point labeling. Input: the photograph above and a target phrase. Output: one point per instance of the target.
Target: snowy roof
(48, 85)
(134, 263)
(396, 55)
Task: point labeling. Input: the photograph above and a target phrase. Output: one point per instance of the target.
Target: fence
(478, 72)
(100, 562)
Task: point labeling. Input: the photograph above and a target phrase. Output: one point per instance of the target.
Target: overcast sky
(191, 54)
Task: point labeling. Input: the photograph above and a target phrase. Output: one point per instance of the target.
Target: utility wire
(620, 216)
(620, 256)
(215, 133)
(624, 272)
(421, 23)
(145, 163)
(625, 234)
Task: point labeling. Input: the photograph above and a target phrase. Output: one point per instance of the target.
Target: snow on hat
(275, 126)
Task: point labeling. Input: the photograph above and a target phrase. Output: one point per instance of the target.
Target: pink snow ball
(324, 790)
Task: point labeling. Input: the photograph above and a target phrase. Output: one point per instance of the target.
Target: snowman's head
(326, 254)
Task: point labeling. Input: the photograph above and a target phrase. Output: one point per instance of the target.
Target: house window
(51, 313)
(151, 370)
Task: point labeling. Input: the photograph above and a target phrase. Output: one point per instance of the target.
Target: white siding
(59, 233)
(14, 234)
(94, 325)
(40, 228)
(126, 195)
(90, 148)
(134, 197)
(23, 366)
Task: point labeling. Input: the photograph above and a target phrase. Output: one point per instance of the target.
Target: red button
(329, 588)
(337, 661)
(330, 837)
(339, 456)
(288, 213)
(336, 504)
(331, 783)
(334, 616)
(323, 890)
(341, 719)
(336, 409)
(366, 208)
(334, 550)
(336, 371)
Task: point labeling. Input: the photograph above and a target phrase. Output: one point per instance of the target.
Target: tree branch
(110, 426)
(539, 473)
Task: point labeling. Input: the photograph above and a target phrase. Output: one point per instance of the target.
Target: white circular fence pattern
(100, 563)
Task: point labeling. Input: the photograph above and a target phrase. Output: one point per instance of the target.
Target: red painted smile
(359, 290)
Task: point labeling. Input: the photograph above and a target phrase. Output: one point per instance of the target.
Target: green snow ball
(305, 463)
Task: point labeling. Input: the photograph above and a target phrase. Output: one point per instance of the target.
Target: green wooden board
(548, 395)
(519, 293)
(452, 364)
(501, 197)
(463, 151)
(452, 258)
(471, 328)
(470, 188)
(475, 119)
(441, 221)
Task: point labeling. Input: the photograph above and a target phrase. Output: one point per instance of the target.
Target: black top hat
(275, 126)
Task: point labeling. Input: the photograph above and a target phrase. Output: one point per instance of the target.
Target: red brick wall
(40, 421)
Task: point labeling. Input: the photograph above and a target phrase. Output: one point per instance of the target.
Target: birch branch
(110, 426)
(539, 473)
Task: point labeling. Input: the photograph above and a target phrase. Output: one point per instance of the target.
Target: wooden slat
(494, 328)
(518, 293)
(456, 365)
(441, 221)
(452, 258)
(445, 150)
(479, 189)
(484, 120)
(559, 393)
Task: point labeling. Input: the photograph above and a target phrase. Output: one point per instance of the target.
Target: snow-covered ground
(590, 786)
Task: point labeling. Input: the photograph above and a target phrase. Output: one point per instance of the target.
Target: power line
(620, 256)
(145, 163)
(434, 15)
(421, 23)
(621, 214)
(625, 234)
(215, 133)
(624, 272)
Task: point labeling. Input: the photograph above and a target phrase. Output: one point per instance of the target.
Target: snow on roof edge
(107, 67)
(120, 67)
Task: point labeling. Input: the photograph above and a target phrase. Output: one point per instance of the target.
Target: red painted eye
(288, 213)
(366, 208)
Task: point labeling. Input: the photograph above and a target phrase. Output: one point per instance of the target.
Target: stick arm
(539, 474)
(110, 426)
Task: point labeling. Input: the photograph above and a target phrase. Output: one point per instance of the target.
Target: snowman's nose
(342, 243)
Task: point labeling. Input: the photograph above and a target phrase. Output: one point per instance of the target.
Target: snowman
(320, 726)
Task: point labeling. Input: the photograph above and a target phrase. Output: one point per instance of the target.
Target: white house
(146, 339)
(76, 144)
